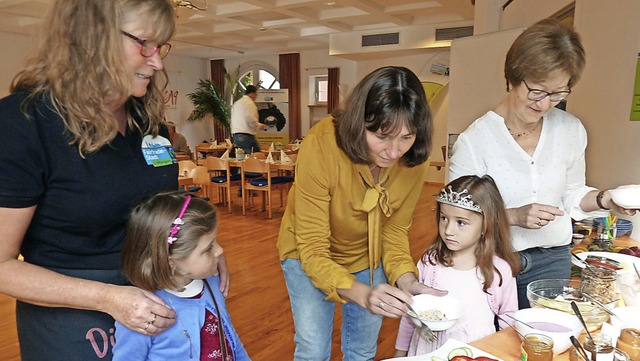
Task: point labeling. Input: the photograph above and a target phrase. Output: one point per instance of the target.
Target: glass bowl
(557, 294)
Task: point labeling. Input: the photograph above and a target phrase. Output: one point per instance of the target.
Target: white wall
(610, 34)
(16, 51)
(523, 13)
(184, 74)
(602, 97)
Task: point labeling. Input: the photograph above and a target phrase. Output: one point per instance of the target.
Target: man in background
(178, 141)
(244, 121)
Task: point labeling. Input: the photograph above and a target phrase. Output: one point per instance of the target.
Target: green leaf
(208, 101)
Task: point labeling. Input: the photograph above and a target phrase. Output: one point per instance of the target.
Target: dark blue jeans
(247, 142)
(542, 263)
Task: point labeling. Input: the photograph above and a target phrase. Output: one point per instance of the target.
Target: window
(321, 89)
(259, 74)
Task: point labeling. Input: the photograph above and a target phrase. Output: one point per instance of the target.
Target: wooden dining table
(505, 344)
(184, 182)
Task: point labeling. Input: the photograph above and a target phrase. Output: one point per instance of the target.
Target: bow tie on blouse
(375, 195)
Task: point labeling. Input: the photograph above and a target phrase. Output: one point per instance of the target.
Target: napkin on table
(284, 158)
(214, 144)
(269, 159)
(271, 147)
(225, 155)
(228, 141)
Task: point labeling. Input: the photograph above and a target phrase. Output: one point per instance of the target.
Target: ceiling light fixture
(190, 4)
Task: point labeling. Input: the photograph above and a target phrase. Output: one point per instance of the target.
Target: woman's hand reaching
(390, 301)
(139, 310)
(533, 216)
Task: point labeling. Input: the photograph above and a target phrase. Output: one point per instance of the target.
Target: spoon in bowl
(510, 325)
(576, 310)
(521, 322)
(602, 306)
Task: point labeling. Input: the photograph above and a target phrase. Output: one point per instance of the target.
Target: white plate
(627, 196)
(443, 352)
(626, 261)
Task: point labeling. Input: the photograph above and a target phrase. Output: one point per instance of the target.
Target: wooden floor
(258, 300)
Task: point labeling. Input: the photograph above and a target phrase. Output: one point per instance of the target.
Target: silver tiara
(458, 199)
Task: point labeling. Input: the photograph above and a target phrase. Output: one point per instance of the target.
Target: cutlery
(425, 331)
(636, 269)
(510, 325)
(579, 348)
(601, 305)
(582, 262)
(515, 319)
(576, 310)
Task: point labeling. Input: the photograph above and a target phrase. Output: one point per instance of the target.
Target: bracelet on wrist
(599, 200)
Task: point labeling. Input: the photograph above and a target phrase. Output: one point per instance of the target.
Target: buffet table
(505, 344)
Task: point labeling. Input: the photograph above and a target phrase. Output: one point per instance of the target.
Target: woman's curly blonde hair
(80, 64)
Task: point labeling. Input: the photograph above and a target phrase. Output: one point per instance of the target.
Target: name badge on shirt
(157, 151)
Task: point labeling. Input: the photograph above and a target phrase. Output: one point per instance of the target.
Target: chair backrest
(185, 165)
(255, 166)
(258, 155)
(200, 175)
(216, 164)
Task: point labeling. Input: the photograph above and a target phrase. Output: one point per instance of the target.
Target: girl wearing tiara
(471, 258)
(171, 249)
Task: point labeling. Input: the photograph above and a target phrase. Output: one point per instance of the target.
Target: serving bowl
(627, 196)
(557, 294)
(425, 304)
(557, 325)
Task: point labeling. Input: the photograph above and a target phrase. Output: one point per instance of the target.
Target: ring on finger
(147, 326)
(540, 223)
(381, 304)
(154, 318)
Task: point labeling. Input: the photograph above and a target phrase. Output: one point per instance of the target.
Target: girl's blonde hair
(494, 239)
(146, 252)
(80, 65)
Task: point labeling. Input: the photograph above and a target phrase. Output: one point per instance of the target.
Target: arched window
(257, 73)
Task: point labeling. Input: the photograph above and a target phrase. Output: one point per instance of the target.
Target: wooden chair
(185, 166)
(201, 179)
(184, 169)
(265, 184)
(221, 178)
(258, 155)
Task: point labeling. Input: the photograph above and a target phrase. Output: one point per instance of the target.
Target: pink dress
(477, 320)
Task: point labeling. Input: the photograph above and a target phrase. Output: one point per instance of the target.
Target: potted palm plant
(208, 101)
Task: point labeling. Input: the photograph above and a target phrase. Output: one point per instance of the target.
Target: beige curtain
(333, 96)
(290, 79)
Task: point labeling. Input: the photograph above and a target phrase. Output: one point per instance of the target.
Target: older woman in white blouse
(535, 152)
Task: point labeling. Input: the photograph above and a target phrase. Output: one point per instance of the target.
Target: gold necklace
(184, 329)
(518, 135)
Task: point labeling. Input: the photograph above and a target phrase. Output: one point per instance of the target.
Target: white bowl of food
(438, 312)
(557, 325)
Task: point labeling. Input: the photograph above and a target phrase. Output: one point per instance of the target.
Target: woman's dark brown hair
(386, 99)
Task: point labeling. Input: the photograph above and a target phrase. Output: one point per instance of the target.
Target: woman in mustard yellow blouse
(344, 235)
